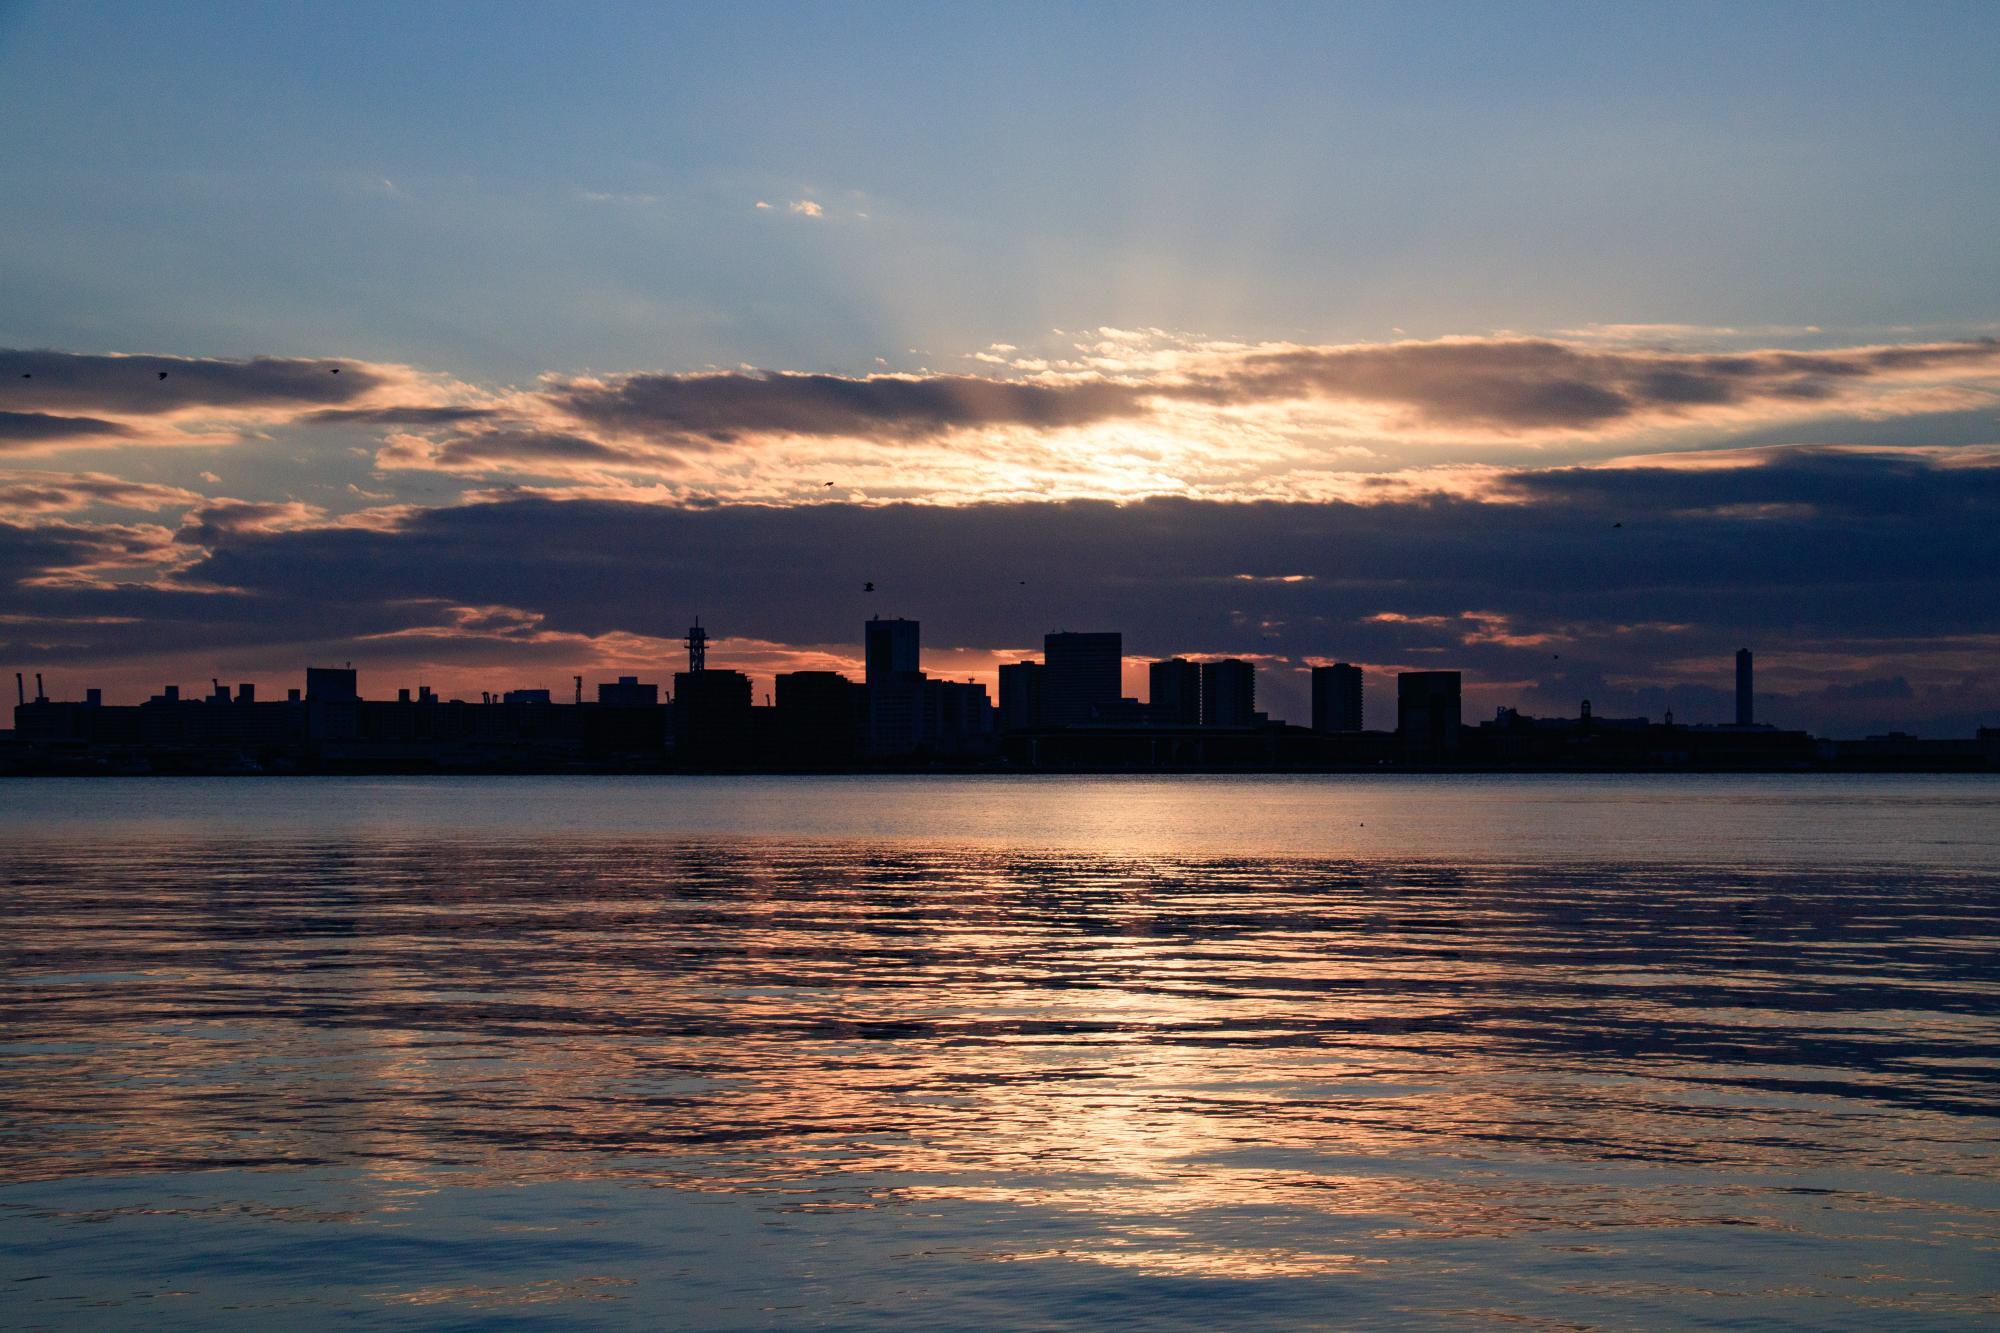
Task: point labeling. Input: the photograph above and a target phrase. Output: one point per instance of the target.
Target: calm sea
(994, 1052)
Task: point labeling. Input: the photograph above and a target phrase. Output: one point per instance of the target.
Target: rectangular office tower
(1336, 697)
(1081, 675)
(890, 648)
(1021, 696)
(1174, 692)
(1427, 711)
(1228, 693)
(1746, 706)
(895, 686)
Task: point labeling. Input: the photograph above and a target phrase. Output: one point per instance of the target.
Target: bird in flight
(334, 371)
(163, 374)
(868, 587)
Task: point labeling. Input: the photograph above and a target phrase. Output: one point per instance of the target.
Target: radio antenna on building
(697, 646)
(579, 691)
(41, 695)
(20, 688)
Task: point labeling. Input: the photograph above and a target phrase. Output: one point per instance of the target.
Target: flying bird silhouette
(163, 374)
(868, 587)
(334, 371)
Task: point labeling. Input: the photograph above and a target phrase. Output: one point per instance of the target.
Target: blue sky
(1088, 254)
(415, 181)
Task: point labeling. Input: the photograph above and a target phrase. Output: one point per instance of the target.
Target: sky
(1570, 346)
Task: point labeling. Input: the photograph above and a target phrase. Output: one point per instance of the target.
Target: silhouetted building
(1082, 676)
(712, 718)
(526, 697)
(329, 684)
(895, 686)
(1746, 703)
(628, 692)
(1021, 696)
(958, 719)
(1173, 692)
(821, 718)
(1427, 712)
(1228, 693)
(333, 704)
(1336, 698)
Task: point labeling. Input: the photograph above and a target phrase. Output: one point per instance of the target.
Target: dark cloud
(40, 551)
(68, 382)
(20, 430)
(1533, 384)
(217, 521)
(518, 448)
(1882, 687)
(719, 407)
(48, 492)
(398, 416)
(1493, 384)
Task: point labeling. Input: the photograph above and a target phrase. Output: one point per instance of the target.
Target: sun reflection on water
(1252, 1070)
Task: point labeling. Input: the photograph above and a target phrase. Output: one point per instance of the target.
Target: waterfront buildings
(1228, 693)
(1427, 713)
(1336, 698)
(1080, 676)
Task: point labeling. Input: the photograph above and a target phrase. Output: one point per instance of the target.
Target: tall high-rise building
(1427, 711)
(895, 686)
(1746, 705)
(1336, 692)
(1228, 693)
(1174, 692)
(1021, 696)
(1081, 676)
(890, 647)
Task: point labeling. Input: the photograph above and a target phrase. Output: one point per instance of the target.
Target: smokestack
(1746, 708)
(20, 689)
(41, 696)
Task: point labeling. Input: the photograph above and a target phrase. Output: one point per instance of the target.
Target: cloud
(51, 400)
(26, 493)
(41, 556)
(720, 408)
(1528, 385)
(22, 431)
(216, 521)
(445, 415)
(132, 385)
(1145, 412)
(486, 450)
(806, 208)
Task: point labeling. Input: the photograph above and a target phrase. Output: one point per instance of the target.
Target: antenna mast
(697, 646)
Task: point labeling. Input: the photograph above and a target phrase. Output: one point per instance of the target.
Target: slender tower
(697, 646)
(1746, 712)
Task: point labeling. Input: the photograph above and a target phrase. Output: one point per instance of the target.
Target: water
(1199, 1052)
